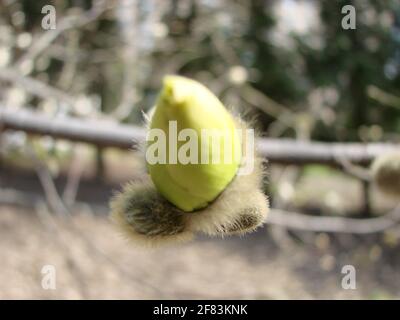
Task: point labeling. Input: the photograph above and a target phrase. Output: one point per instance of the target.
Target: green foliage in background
(326, 83)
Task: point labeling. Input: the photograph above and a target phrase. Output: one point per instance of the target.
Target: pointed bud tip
(175, 91)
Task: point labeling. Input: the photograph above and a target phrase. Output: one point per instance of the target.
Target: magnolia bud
(223, 201)
(187, 104)
(241, 208)
(386, 173)
(146, 217)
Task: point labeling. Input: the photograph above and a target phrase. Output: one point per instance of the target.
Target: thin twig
(127, 16)
(287, 219)
(58, 234)
(50, 191)
(267, 105)
(356, 171)
(73, 178)
(34, 86)
(383, 97)
(66, 23)
(298, 221)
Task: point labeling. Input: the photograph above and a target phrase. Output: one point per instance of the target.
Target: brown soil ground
(92, 261)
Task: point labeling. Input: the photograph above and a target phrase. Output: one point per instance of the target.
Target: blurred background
(288, 64)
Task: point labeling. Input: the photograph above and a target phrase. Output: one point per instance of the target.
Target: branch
(112, 134)
(383, 97)
(100, 133)
(53, 199)
(73, 178)
(289, 220)
(358, 172)
(34, 86)
(293, 220)
(127, 17)
(68, 22)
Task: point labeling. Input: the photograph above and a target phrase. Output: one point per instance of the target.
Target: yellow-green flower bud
(215, 146)
(193, 171)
